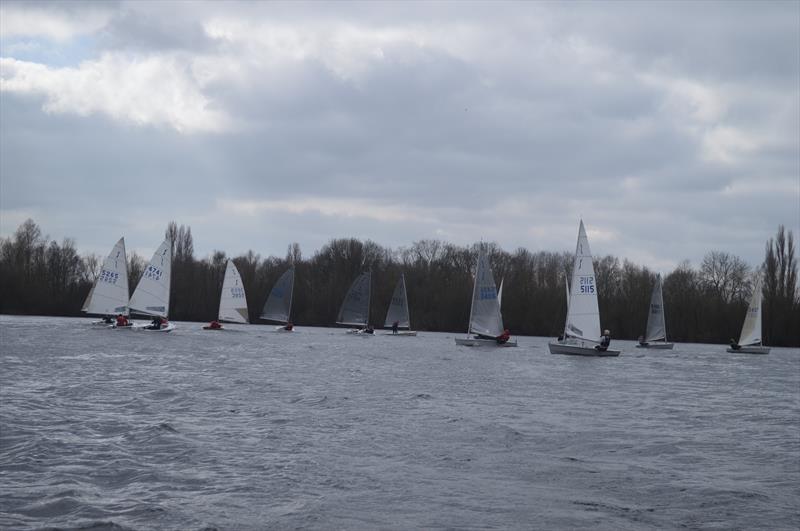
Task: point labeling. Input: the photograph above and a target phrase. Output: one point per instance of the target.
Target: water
(250, 429)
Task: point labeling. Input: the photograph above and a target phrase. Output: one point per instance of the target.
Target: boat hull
(749, 350)
(475, 342)
(403, 333)
(658, 345)
(146, 328)
(213, 328)
(573, 349)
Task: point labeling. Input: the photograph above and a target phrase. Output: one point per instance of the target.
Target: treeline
(704, 304)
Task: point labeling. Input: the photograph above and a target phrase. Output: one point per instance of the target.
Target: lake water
(249, 429)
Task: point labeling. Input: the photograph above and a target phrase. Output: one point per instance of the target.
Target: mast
(369, 296)
(474, 289)
(405, 298)
(291, 298)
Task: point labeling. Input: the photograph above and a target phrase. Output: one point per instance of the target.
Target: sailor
(155, 324)
(289, 326)
(395, 326)
(735, 345)
(107, 320)
(214, 325)
(642, 342)
(504, 337)
(369, 329)
(122, 320)
(605, 341)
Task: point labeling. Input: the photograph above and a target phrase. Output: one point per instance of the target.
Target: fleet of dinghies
(108, 297)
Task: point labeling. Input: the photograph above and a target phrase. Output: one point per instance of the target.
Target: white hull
(755, 349)
(281, 329)
(475, 342)
(146, 328)
(657, 345)
(359, 332)
(579, 349)
(403, 333)
(210, 328)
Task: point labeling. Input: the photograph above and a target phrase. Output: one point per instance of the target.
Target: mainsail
(485, 318)
(109, 293)
(656, 327)
(279, 303)
(232, 301)
(151, 296)
(751, 329)
(583, 315)
(398, 308)
(355, 307)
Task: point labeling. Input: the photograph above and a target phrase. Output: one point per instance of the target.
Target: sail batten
(109, 293)
(355, 307)
(233, 301)
(151, 296)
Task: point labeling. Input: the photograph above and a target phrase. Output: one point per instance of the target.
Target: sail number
(153, 272)
(237, 293)
(109, 276)
(488, 293)
(655, 308)
(587, 285)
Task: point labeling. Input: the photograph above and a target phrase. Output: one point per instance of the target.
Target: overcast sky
(671, 128)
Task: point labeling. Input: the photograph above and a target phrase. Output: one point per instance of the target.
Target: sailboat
(398, 311)
(109, 293)
(151, 296)
(582, 328)
(485, 320)
(355, 307)
(656, 334)
(750, 338)
(232, 300)
(278, 307)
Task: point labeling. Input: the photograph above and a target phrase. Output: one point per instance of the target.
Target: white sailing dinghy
(151, 296)
(232, 300)
(355, 307)
(485, 320)
(109, 293)
(750, 338)
(398, 311)
(656, 334)
(582, 329)
(278, 307)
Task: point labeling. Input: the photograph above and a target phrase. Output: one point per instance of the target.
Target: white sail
(500, 295)
(398, 308)
(485, 318)
(279, 303)
(751, 329)
(583, 315)
(355, 307)
(656, 327)
(109, 293)
(151, 296)
(232, 301)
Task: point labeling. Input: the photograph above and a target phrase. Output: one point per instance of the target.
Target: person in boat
(642, 342)
(504, 337)
(155, 324)
(395, 326)
(107, 320)
(368, 330)
(735, 345)
(122, 320)
(605, 341)
(289, 326)
(214, 325)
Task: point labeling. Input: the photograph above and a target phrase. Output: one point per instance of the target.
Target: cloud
(156, 90)
(59, 21)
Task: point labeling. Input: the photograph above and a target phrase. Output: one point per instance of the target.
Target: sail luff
(405, 298)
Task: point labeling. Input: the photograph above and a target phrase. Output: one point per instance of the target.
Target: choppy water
(249, 429)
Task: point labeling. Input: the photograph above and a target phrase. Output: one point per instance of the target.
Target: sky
(672, 129)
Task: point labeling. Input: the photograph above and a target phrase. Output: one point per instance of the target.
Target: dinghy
(278, 307)
(355, 307)
(582, 329)
(485, 321)
(750, 338)
(151, 296)
(398, 311)
(232, 300)
(109, 293)
(656, 334)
